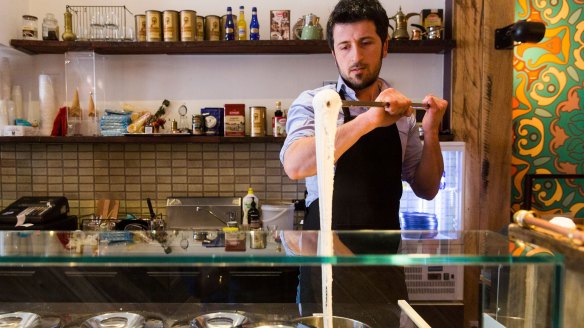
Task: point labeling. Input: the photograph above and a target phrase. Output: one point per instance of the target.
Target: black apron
(367, 186)
(367, 190)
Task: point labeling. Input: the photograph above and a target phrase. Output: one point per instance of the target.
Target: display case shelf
(34, 47)
(367, 248)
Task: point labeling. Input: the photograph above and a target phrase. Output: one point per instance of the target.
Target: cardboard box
(234, 119)
(279, 24)
(19, 131)
(213, 119)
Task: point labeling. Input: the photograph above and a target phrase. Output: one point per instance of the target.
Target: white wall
(212, 80)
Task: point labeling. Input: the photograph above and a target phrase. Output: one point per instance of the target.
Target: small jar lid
(29, 17)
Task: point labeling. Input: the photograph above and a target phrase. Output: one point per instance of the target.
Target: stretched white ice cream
(327, 105)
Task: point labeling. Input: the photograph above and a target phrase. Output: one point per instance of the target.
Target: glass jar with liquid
(50, 28)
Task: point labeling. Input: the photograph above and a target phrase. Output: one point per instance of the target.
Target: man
(375, 149)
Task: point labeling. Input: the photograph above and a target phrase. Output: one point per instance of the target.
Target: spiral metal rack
(101, 22)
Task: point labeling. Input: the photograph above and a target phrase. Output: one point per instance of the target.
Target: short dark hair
(351, 11)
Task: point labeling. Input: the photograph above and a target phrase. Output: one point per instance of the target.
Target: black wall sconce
(521, 32)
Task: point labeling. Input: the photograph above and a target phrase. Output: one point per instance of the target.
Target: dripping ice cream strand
(327, 104)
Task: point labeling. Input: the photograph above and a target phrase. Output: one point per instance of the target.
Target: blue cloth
(300, 124)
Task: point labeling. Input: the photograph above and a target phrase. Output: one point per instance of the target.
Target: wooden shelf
(139, 139)
(156, 139)
(34, 47)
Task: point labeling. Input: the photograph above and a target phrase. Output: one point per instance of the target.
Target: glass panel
(176, 247)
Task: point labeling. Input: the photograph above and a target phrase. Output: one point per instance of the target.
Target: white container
(281, 215)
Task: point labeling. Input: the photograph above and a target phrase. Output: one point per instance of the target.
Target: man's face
(358, 52)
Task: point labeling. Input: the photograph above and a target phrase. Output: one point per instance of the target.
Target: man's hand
(399, 106)
(434, 114)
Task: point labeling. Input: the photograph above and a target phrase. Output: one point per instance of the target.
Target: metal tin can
(258, 121)
(200, 28)
(223, 21)
(170, 25)
(188, 25)
(212, 28)
(140, 27)
(198, 127)
(153, 30)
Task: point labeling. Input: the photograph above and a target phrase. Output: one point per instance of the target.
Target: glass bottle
(254, 216)
(241, 25)
(50, 28)
(279, 121)
(229, 26)
(254, 26)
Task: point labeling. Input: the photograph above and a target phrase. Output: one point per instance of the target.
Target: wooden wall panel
(482, 88)
(481, 106)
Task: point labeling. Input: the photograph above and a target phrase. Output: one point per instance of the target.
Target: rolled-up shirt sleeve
(300, 121)
(412, 147)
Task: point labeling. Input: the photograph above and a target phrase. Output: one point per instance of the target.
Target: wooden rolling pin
(527, 219)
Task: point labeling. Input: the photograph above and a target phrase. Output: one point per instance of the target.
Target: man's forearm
(300, 157)
(430, 168)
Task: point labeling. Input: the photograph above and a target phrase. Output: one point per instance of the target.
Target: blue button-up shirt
(300, 124)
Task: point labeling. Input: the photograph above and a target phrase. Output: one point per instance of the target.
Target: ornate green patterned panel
(548, 102)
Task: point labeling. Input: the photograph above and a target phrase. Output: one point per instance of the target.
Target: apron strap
(346, 112)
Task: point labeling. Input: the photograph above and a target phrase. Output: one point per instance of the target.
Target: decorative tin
(200, 28)
(198, 126)
(140, 26)
(170, 25)
(153, 30)
(188, 25)
(212, 28)
(258, 121)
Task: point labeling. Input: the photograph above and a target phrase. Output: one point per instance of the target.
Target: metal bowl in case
(277, 324)
(19, 320)
(317, 321)
(115, 320)
(226, 319)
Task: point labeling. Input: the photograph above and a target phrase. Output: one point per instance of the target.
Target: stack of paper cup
(17, 98)
(3, 115)
(48, 104)
(5, 79)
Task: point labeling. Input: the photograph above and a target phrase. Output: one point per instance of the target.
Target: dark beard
(359, 86)
(363, 84)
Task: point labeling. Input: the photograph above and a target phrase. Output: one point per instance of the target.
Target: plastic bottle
(254, 26)
(241, 25)
(229, 26)
(247, 200)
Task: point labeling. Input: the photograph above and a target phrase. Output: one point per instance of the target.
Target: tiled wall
(85, 173)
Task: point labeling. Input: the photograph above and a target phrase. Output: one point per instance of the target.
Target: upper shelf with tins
(35, 47)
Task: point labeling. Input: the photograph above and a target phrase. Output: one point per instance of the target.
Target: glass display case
(192, 278)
